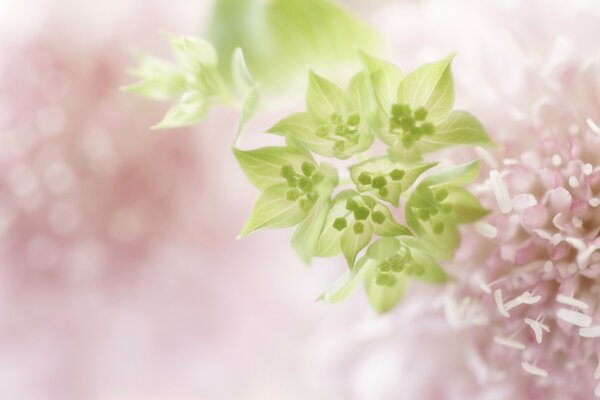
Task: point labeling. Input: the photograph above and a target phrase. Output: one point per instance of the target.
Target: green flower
(386, 270)
(336, 122)
(351, 224)
(414, 114)
(294, 189)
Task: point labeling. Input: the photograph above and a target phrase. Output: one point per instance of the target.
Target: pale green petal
(190, 109)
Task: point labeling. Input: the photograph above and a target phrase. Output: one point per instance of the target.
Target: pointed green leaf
(190, 109)
(329, 241)
(273, 210)
(383, 248)
(455, 175)
(158, 79)
(352, 243)
(384, 298)
(306, 236)
(425, 246)
(433, 272)
(192, 53)
(323, 98)
(301, 127)
(460, 128)
(385, 80)
(263, 166)
(389, 227)
(346, 283)
(249, 107)
(430, 86)
(465, 206)
(242, 78)
(362, 95)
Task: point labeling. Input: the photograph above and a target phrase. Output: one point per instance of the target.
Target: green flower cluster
(412, 116)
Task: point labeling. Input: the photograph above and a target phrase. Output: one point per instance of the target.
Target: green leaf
(430, 86)
(362, 95)
(460, 128)
(329, 241)
(352, 243)
(455, 175)
(384, 298)
(345, 284)
(192, 53)
(158, 79)
(263, 166)
(242, 78)
(384, 166)
(281, 37)
(433, 272)
(383, 248)
(425, 246)
(385, 79)
(323, 98)
(190, 109)
(305, 240)
(249, 107)
(273, 210)
(301, 127)
(465, 206)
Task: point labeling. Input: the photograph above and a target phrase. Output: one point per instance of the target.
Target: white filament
(498, 299)
(571, 301)
(500, 192)
(537, 328)
(513, 344)
(533, 370)
(524, 298)
(574, 317)
(591, 332)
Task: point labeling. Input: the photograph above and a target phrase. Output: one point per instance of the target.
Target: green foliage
(281, 37)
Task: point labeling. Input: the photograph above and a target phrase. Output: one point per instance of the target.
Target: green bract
(336, 122)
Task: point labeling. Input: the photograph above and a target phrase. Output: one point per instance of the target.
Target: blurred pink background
(120, 275)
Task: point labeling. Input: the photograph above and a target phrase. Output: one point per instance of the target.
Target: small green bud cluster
(402, 261)
(427, 214)
(379, 182)
(359, 214)
(411, 125)
(345, 133)
(302, 185)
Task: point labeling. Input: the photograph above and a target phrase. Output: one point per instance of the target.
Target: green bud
(416, 133)
(409, 270)
(397, 174)
(378, 217)
(364, 178)
(446, 208)
(383, 192)
(392, 280)
(308, 168)
(312, 196)
(339, 147)
(433, 211)
(317, 177)
(423, 214)
(397, 110)
(287, 171)
(358, 228)
(292, 195)
(396, 262)
(379, 182)
(420, 114)
(427, 128)
(438, 228)
(407, 141)
(322, 131)
(384, 266)
(382, 279)
(441, 194)
(340, 130)
(352, 205)
(336, 118)
(292, 181)
(353, 119)
(340, 224)
(305, 184)
(407, 123)
(361, 213)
